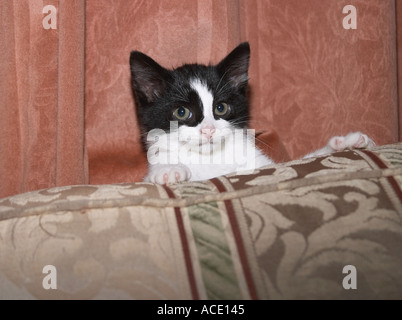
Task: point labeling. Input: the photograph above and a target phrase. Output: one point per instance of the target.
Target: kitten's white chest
(212, 160)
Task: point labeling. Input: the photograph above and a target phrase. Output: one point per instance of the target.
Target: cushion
(322, 228)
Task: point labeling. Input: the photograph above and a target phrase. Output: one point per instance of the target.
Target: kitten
(194, 119)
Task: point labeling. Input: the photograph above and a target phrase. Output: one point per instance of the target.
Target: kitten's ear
(235, 66)
(149, 79)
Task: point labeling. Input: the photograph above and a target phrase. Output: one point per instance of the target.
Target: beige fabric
(284, 232)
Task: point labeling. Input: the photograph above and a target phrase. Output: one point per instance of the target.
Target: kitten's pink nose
(207, 131)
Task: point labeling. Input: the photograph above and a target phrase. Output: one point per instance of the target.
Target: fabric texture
(284, 232)
(398, 19)
(42, 96)
(67, 111)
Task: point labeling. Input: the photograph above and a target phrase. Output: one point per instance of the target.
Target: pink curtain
(68, 118)
(398, 19)
(42, 96)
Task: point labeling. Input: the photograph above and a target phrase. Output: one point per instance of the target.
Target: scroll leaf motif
(363, 234)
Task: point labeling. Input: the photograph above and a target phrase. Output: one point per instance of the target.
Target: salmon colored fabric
(42, 96)
(398, 17)
(64, 112)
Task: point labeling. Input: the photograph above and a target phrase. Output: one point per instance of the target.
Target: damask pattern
(284, 232)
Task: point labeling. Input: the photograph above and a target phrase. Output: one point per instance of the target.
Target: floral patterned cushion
(321, 228)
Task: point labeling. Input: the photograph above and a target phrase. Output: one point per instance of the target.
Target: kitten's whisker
(241, 119)
(180, 98)
(237, 122)
(223, 87)
(182, 94)
(264, 143)
(220, 80)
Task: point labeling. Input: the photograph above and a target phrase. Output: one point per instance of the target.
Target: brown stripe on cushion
(185, 246)
(238, 240)
(382, 165)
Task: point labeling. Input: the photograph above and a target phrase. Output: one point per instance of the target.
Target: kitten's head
(205, 101)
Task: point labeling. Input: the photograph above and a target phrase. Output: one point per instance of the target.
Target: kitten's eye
(182, 113)
(222, 109)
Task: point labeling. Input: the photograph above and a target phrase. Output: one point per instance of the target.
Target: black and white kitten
(194, 119)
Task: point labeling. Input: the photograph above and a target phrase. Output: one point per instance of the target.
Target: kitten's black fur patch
(159, 91)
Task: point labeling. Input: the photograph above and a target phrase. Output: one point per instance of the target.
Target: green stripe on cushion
(215, 259)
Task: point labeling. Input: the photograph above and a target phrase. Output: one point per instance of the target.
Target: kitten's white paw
(353, 140)
(165, 174)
